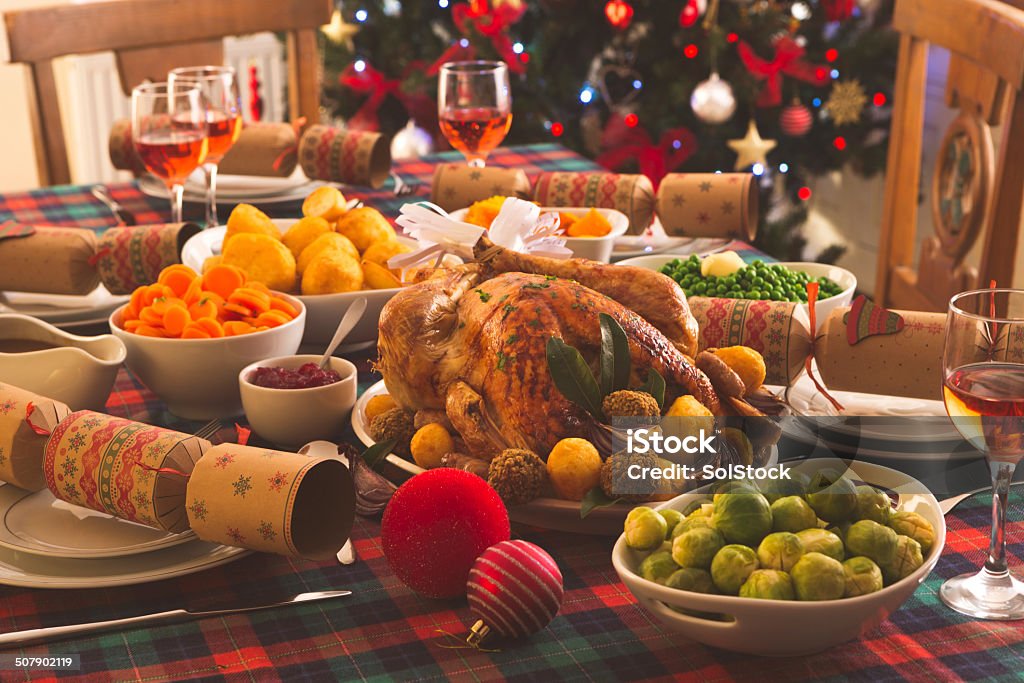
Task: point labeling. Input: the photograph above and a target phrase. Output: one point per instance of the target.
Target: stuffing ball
(517, 475)
(616, 482)
(394, 424)
(626, 403)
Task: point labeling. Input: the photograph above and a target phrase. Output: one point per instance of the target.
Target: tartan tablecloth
(384, 631)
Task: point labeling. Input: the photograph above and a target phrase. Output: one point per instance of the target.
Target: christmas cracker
(48, 261)
(126, 469)
(351, 157)
(633, 195)
(708, 205)
(128, 257)
(271, 501)
(456, 186)
(26, 420)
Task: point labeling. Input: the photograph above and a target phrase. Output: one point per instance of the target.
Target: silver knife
(35, 636)
(123, 215)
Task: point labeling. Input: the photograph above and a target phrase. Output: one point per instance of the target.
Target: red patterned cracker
(633, 195)
(26, 420)
(351, 157)
(129, 257)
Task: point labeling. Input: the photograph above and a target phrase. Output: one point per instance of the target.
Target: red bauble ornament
(515, 588)
(436, 525)
(689, 14)
(838, 10)
(619, 13)
(796, 120)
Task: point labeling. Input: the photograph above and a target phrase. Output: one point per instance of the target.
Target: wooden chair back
(977, 192)
(148, 38)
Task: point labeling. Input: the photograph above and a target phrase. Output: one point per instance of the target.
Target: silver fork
(208, 429)
(402, 188)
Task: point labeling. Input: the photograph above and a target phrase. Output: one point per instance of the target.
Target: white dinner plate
(39, 524)
(63, 310)
(238, 189)
(655, 241)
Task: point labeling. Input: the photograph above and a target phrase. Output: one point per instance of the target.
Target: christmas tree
(787, 89)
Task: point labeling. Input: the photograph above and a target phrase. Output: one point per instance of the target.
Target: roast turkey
(472, 341)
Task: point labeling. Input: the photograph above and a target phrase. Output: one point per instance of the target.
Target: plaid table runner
(384, 631)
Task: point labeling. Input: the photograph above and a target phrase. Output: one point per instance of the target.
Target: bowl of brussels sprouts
(726, 275)
(783, 567)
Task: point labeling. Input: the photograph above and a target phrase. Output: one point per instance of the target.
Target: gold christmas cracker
(26, 420)
(263, 149)
(633, 195)
(456, 186)
(769, 327)
(905, 363)
(49, 261)
(128, 257)
(122, 149)
(708, 205)
(271, 501)
(126, 469)
(351, 157)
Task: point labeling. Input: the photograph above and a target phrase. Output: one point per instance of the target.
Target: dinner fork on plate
(207, 430)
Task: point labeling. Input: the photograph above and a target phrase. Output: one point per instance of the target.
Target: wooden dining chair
(148, 38)
(976, 191)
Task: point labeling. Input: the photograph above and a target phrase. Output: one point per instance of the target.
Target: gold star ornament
(846, 102)
(339, 32)
(752, 149)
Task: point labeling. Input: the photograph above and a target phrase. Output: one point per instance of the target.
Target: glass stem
(177, 198)
(211, 195)
(1002, 474)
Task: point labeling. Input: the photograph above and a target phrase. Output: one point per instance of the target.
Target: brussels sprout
(657, 567)
(743, 517)
(696, 548)
(690, 579)
(733, 487)
(905, 560)
(916, 527)
(768, 584)
(796, 485)
(672, 517)
(793, 514)
(832, 496)
(731, 567)
(780, 550)
(690, 523)
(694, 506)
(873, 540)
(645, 529)
(873, 504)
(818, 577)
(822, 541)
(840, 530)
(862, 577)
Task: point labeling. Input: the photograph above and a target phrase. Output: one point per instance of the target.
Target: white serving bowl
(323, 310)
(198, 378)
(292, 417)
(780, 627)
(824, 307)
(593, 248)
(78, 371)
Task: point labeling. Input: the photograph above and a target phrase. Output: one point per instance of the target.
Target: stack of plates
(61, 310)
(237, 189)
(47, 543)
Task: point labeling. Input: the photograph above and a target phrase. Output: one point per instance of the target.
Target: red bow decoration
(838, 10)
(789, 61)
(655, 161)
(377, 88)
(491, 23)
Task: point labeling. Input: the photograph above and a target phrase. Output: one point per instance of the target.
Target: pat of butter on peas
(721, 265)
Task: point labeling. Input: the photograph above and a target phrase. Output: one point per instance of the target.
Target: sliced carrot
(238, 309)
(257, 285)
(273, 318)
(279, 304)
(194, 331)
(194, 292)
(151, 316)
(150, 331)
(175, 319)
(210, 326)
(254, 300)
(135, 299)
(131, 325)
(130, 312)
(165, 303)
(154, 292)
(204, 308)
(233, 328)
(178, 277)
(223, 279)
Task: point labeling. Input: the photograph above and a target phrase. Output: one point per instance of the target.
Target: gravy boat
(78, 371)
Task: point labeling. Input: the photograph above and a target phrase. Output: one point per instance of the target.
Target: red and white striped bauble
(515, 587)
(796, 120)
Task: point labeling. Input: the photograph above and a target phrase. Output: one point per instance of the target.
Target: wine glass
(169, 133)
(983, 388)
(219, 86)
(474, 107)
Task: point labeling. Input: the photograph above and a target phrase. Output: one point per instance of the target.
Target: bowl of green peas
(758, 280)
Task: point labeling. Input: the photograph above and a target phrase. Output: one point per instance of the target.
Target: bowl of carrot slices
(189, 335)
